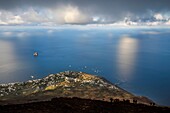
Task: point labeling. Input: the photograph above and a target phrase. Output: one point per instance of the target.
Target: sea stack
(35, 54)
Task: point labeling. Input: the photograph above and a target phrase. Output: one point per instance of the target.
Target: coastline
(65, 84)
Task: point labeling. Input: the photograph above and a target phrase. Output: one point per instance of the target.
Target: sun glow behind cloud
(34, 16)
(73, 15)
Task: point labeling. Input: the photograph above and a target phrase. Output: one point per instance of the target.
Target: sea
(134, 58)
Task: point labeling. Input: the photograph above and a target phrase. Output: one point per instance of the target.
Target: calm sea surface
(138, 59)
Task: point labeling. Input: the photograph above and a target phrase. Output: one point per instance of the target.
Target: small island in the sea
(35, 54)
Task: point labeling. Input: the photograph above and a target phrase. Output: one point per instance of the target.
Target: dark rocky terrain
(77, 105)
(65, 84)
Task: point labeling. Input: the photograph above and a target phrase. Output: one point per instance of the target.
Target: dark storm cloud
(105, 6)
(108, 10)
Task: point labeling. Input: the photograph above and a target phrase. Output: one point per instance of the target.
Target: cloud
(73, 15)
(158, 16)
(168, 22)
(7, 34)
(110, 12)
(150, 32)
(14, 34)
(59, 15)
(7, 17)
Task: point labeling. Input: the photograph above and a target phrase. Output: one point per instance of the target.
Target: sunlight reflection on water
(8, 61)
(126, 56)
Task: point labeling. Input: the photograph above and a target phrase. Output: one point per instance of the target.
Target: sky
(85, 12)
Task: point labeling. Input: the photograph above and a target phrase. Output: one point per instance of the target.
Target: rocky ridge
(65, 84)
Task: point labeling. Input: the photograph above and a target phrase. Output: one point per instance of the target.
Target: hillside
(77, 105)
(65, 84)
